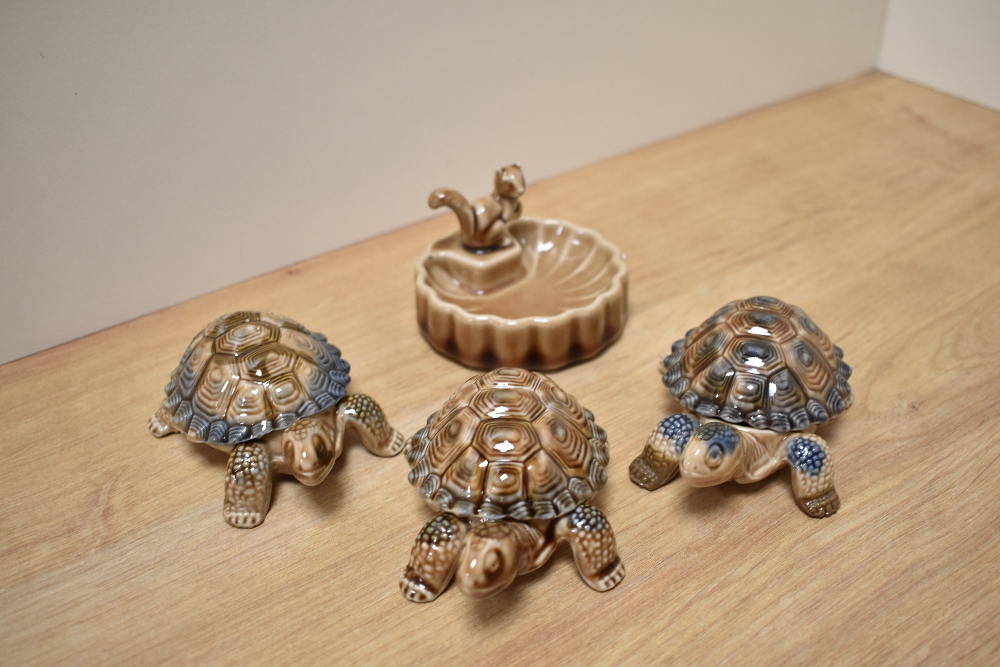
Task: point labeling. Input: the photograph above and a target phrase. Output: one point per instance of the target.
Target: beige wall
(151, 152)
(953, 46)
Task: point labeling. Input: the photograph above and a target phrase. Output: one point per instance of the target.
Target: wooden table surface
(873, 205)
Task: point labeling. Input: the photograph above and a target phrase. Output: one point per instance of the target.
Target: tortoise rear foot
(248, 486)
(160, 424)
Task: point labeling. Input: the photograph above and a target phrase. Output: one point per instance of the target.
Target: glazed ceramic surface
(273, 394)
(510, 461)
(545, 294)
(757, 377)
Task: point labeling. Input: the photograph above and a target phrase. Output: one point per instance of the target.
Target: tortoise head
(489, 561)
(309, 449)
(712, 455)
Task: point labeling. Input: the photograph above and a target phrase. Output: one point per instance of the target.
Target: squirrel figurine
(483, 220)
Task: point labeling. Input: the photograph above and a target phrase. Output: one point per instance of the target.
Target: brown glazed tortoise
(510, 461)
(273, 394)
(759, 376)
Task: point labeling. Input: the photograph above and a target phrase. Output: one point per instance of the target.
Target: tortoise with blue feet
(272, 394)
(756, 378)
(510, 461)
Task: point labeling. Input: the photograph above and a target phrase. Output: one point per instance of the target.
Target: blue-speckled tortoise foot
(660, 459)
(812, 475)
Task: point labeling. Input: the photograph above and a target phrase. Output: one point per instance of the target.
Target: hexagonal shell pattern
(249, 373)
(509, 443)
(759, 361)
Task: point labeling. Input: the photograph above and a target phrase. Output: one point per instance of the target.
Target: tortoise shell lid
(509, 443)
(762, 362)
(249, 373)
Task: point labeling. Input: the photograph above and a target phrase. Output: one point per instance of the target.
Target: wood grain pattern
(874, 205)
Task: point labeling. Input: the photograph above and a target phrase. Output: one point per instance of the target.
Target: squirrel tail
(457, 203)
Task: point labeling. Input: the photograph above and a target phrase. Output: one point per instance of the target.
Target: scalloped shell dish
(551, 293)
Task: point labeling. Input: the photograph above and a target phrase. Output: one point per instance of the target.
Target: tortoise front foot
(812, 475)
(248, 486)
(434, 558)
(590, 536)
(660, 460)
(645, 473)
(823, 506)
(361, 413)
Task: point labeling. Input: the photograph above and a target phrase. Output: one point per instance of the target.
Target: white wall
(952, 46)
(151, 152)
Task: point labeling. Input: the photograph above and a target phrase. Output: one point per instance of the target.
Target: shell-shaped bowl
(568, 303)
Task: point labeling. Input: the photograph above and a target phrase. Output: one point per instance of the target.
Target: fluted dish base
(569, 303)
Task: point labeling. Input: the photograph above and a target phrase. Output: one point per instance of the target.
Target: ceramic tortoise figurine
(510, 461)
(756, 378)
(273, 394)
